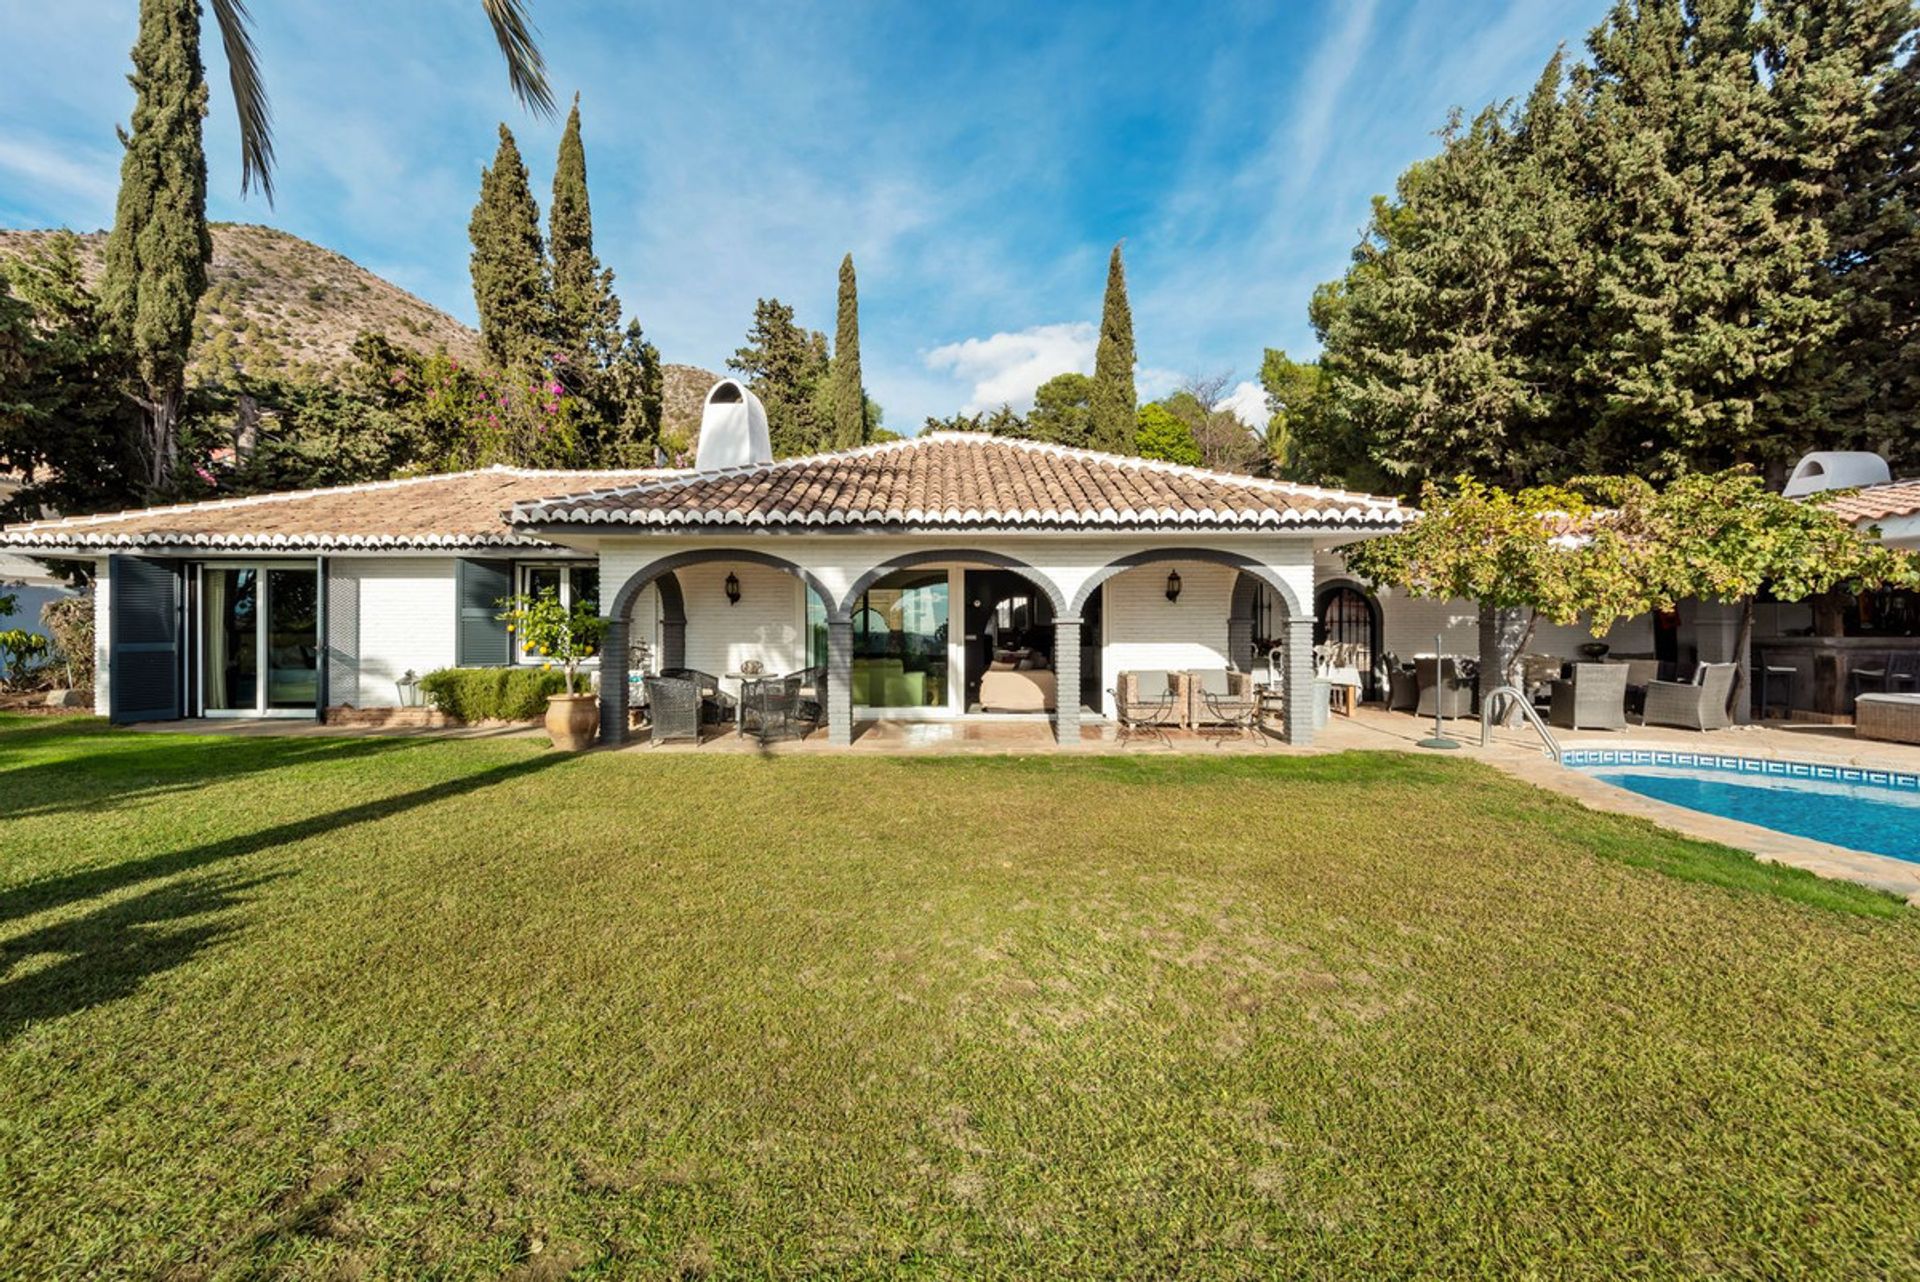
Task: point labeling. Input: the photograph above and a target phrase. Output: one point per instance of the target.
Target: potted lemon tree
(556, 634)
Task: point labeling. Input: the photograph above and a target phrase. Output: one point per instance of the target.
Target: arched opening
(626, 640)
(1347, 628)
(1227, 610)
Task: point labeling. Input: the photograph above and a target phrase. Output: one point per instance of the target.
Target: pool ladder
(1490, 708)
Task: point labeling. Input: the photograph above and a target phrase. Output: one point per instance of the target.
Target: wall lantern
(1173, 585)
(733, 589)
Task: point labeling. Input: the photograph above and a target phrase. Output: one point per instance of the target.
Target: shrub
(19, 651)
(494, 694)
(69, 621)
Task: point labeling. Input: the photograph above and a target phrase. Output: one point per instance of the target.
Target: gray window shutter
(479, 587)
(343, 637)
(144, 616)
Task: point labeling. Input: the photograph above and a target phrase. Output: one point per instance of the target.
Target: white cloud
(1006, 368)
(86, 181)
(1248, 401)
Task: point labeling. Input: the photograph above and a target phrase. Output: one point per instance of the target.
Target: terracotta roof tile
(1879, 502)
(949, 480)
(449, 510)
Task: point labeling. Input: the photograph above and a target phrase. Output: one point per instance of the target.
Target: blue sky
(978, 160)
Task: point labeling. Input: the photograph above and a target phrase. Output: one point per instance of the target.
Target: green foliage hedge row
(494, 694)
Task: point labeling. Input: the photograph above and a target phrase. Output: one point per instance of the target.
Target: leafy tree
(1294, 390)
(787, 367)
(1162, 434)
(157, 253)
(1112, 401)
(1724, 536)
(1226, 444)
(1001, 422)
(850, 424)
(512, 288)
(466, 418)
(1063, 411)
(586, 312)
(66, 425)
(634, 384)
(1507, 551)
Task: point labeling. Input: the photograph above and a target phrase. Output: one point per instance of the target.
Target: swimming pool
(1877, 811)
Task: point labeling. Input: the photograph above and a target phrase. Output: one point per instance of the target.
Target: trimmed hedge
(495, 694)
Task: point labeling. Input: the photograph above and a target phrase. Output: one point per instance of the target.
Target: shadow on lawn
(108, 953)
(122, 766)
(112, 949)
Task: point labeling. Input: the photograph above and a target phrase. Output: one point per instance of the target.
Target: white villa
(950, 576)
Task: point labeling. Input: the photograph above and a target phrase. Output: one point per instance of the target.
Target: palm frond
(526, 69)
(249, 96)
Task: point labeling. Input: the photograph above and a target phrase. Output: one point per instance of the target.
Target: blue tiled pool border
(1893, 780)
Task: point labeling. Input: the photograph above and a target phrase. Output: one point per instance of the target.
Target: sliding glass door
(259, 640)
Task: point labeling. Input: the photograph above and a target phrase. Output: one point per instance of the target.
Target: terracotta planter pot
(573, 720)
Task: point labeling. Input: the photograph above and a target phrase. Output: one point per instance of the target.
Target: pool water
(1871, 811)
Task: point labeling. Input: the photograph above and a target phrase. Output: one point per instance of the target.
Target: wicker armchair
(1403, 689)
(1443, 689)
(716, 705)
(674, 703)
(1699, 705)
(1189, 688)
(768, 707)
(1144, 703)
(811, 711)
(1595, 699)
(1234, 713)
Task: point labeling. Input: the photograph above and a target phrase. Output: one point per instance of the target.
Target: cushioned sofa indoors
(886, 683)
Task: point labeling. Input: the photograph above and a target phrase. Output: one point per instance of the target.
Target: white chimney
(733, 429)
(1836, 470)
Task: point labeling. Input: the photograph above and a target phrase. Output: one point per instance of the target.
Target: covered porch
(962, 634)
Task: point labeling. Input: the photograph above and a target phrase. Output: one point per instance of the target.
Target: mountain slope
(277, 305)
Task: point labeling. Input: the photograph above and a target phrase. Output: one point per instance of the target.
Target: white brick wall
(1144, 630)
(408, 617)
(769, 624)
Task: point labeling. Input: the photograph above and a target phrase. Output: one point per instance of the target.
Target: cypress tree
(511, 287)
(586, 313)
(157, 254)
(850, 427)
(1113, 401)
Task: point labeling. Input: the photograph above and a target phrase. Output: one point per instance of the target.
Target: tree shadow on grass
(108, 953)
(89, 883)
(124, 766)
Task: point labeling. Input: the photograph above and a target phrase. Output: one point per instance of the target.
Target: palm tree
(526, 72)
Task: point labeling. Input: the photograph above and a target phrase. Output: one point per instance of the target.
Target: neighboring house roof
(449, 510)
(964, 480)
(1874, 503)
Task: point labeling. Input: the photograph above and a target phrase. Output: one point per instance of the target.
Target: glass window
(900, 642)
(570, 583)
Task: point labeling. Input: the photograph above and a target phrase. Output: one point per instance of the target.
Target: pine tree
(1113, 402)
(157, 254)
(67, 426)
(634, 386)
(850, 425)
(511, 286)
(787, 368)
(586, 313)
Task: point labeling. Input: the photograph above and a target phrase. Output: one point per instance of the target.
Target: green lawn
(404, 1007)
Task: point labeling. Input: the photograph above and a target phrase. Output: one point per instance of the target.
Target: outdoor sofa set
(1152, 702)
